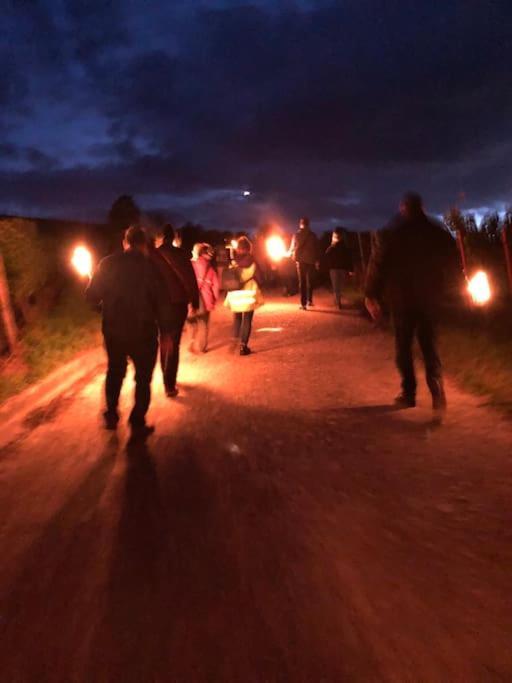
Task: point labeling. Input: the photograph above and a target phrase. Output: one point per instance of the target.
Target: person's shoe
(111, 420)
(245, 350)
(404, 401)
(311, 304)
(141, 432)
(172, 393)
(303, 308)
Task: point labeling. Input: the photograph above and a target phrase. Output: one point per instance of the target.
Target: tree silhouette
(123, 213)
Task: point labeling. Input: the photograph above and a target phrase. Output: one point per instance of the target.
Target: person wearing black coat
(338, 259)
(304, 249)
(410, 263)
(181, 292)
(129, 289)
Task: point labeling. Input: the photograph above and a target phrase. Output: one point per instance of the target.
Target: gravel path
(283, 524)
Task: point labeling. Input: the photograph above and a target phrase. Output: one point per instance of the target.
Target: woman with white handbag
(245, 300)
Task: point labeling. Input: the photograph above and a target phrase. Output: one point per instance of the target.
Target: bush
(26, 259)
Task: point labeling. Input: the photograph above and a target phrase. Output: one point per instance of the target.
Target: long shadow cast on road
(36, 609)
(207, 550)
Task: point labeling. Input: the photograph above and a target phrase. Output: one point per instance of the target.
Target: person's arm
(376, 275)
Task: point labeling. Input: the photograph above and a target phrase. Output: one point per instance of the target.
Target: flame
(479, 288)
(276, 248)
(82, 261)
(234, 244)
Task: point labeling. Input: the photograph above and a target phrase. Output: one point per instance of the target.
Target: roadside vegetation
(48, 342)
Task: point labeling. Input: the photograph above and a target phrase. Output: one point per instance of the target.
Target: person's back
(177, 271)
(127, 285)
(306, 247)
(338, 257)
(412, 258)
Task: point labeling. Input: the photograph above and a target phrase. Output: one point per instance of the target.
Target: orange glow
(276, 248)
(479, 288)
(234, 244)
(82, 261)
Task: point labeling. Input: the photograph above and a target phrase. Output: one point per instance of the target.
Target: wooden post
(6, 312)
(507, 248)
(462, 251)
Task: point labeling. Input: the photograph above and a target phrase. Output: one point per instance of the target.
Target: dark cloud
(329, 108)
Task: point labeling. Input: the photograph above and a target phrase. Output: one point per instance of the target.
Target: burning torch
(81, 261)
(479, 288)
(276, 248)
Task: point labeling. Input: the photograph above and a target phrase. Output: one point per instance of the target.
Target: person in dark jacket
(181, 292)
(410, 262)
(339, 262)
(304, 249)
(129, 289)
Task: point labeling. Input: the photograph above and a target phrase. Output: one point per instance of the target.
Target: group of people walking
(305, 251)
(148, 292)
(152, 288)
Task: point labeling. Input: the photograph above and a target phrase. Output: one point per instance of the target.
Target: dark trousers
(337, 280)
(170, 338)
(242, 325)
(418, 322)
(306, 273)
(143, 354)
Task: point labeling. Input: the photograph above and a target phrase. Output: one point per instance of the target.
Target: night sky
(330, 109)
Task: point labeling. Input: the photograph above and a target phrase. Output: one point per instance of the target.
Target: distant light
(479, 288)
(247, 193)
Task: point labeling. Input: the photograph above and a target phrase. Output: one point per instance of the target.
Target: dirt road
(283, 524)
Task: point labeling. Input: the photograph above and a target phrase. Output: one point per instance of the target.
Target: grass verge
(70, 328)
(480, 361)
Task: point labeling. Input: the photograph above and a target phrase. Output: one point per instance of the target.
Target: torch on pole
(6, 312)
(462, 250)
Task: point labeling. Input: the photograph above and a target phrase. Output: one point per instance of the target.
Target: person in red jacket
(182, 294)
(209, 289)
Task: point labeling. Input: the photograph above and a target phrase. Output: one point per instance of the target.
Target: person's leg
(246, 327)
(174, 360)
(203, 325)
(302, 275)
(237, 324)
(405, 325)
(310, 282)
(427, 339)
(116, 370)
(336, 279)
(143, 355)
(193, 326)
